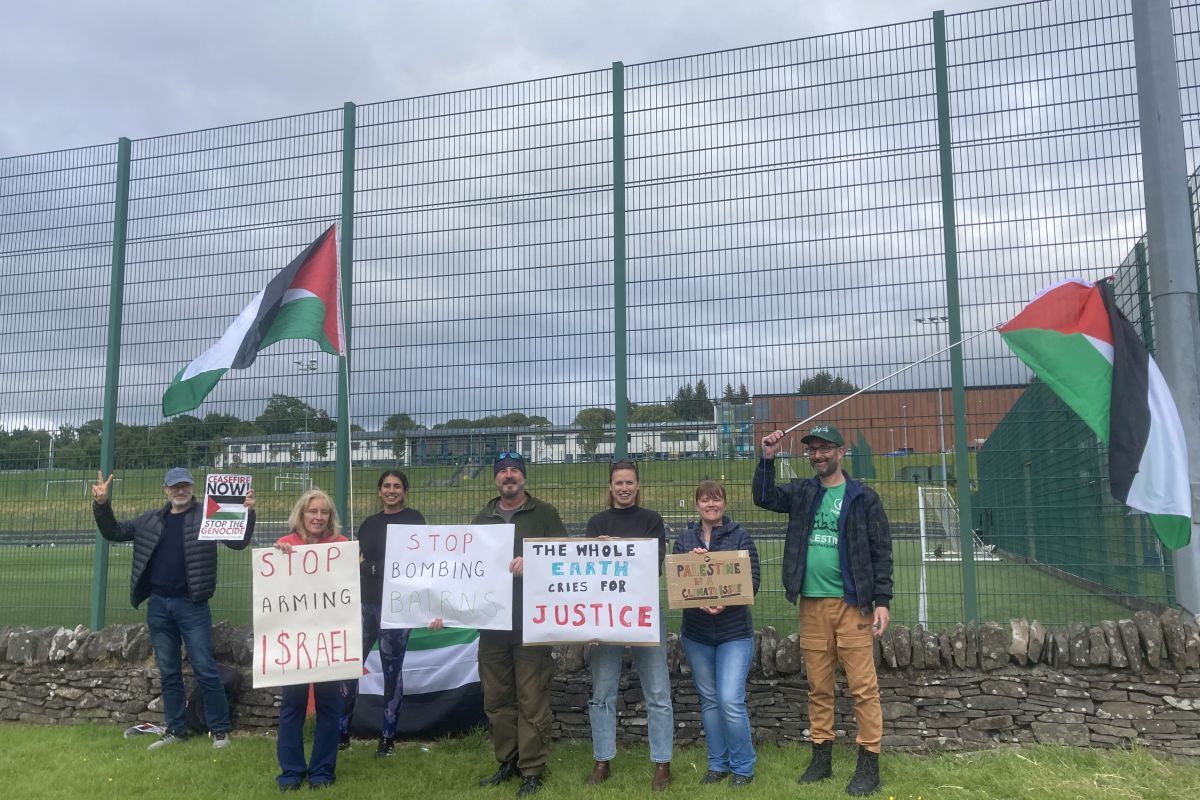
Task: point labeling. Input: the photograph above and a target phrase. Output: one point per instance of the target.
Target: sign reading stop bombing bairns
(307, 614)
(583, 590)
(456, 572)
(225, 512)
(721, 578)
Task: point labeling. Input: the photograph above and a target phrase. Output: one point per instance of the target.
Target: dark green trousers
(516, 698)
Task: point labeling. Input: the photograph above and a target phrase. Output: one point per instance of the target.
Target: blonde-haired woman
(313, 520)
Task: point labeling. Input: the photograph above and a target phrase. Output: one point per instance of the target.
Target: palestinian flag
(301, 302)
(215, 510)
(442, 694)
(1080, 344)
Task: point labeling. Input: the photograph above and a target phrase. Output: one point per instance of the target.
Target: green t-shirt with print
(823, 575)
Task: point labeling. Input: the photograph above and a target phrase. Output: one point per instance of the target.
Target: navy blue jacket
(200, 558)
(735, 622)
(864, 539)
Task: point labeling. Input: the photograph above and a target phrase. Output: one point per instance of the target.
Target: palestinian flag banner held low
(1081, 345)
(442, 694)
(301, 302)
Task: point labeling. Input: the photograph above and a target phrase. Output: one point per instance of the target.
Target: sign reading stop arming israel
(307, 614)
(580, 590)
(456, 572)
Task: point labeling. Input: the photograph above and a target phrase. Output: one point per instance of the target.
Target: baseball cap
(177, 475)
(826, 432)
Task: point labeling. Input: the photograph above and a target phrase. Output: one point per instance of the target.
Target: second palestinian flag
(301, 302)
(1080, 344)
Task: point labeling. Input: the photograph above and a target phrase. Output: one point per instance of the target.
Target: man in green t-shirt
(837, 561)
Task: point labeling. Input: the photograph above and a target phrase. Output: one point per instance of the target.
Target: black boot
(821, 766)
(866, 774)
(507, 771)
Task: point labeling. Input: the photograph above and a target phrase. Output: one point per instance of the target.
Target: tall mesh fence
(781, 213)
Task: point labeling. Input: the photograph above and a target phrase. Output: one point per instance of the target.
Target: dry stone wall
(1112, 684)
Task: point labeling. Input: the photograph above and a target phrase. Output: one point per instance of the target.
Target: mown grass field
(93, 761)
(52, 585)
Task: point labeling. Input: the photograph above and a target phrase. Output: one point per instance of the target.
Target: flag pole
(902, 370)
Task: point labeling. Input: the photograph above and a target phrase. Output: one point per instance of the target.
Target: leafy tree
(402, 422)
(652, 412)
(285, 414)
(591, 422)
(826, 383)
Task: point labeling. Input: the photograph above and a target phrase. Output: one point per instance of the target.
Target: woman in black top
(624, 518)
(393, 642)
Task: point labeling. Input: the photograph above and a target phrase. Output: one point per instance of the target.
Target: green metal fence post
(347, 264)
(620, 378)
(112, 371)
(962, 464)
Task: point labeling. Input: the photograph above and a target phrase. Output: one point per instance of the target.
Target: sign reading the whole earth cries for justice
(721, 578)
(225, 513)
(307, 614)
(456, 572)
(580, 590)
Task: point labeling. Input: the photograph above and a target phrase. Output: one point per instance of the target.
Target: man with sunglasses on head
(516, 678)
(837, 559)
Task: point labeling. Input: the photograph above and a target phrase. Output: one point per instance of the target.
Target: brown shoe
(662, 777)
(600, 773)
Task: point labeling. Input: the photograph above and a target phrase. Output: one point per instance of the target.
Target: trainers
(387, 747)
(712, 776)
(167, 739)
(344, 741)
(507, 771)
(741, 780)
(220, 741)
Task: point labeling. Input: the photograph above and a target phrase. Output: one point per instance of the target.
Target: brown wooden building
(913, 421)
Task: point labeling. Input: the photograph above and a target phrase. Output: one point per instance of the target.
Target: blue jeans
(720, 675)
(175, 621)
(290, 746)
(393, 644)
(651, 664)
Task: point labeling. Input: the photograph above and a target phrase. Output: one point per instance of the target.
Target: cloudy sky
(82, 72)
(783, 211)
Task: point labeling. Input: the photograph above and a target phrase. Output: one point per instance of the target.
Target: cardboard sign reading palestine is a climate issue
(722, 578)
(307, 614)
(579, 590)
(225, 513)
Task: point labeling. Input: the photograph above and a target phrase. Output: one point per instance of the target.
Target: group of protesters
(837, 565)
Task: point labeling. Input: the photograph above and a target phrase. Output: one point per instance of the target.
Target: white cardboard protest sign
(579, 590)
(225, 512)
(456, 572)
(307, 614)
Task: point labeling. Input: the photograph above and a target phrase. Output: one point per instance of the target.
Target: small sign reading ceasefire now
(709, 579)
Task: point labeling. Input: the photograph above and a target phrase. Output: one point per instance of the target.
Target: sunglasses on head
(513, 455)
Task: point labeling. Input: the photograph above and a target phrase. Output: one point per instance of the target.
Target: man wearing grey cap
(178, 573)
(837, 561)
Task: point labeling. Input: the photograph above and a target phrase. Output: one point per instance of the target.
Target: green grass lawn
(93, 761)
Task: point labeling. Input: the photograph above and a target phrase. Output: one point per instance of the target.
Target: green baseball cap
(826, 432)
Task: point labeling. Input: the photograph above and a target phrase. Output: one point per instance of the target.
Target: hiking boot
(662, 777)
(712, 776)
(530, 784)
(600, 773)
(821, 766)
(220, 741)
(741, 780)
(387, 747)
(166, 740)
(506, 772)
(344, 741)
(866, 774)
